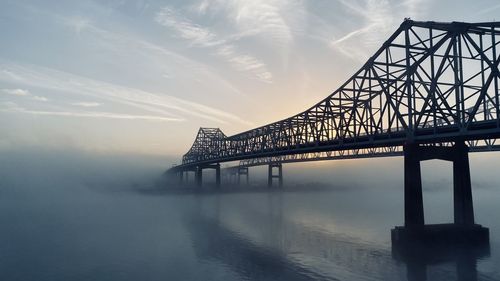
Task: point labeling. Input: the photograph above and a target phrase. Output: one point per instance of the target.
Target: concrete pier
(463, 229)
(242, 171)
(414, 206)
(181, 177)
(272, 167)
(462, 191)
(199, 174)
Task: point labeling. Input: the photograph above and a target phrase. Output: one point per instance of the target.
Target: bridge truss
(430, 83)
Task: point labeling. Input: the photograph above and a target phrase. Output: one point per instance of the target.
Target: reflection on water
(276, 248)
(294, 234)
(418, 257)
(212, 240)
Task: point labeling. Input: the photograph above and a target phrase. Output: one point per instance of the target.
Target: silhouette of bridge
(430, 92)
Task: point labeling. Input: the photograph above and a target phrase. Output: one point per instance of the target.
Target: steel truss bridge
(431, 91)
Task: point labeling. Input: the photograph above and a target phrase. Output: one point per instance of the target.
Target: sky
(139, 76)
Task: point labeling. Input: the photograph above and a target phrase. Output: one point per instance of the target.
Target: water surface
(53, 227)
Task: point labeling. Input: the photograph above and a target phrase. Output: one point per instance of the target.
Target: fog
(81, 215)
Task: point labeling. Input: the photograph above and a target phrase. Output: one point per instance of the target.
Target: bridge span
(431, 91)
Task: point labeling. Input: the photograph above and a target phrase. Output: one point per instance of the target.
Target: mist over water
(67, 215)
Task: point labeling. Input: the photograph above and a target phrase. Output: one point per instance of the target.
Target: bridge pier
(271, 174)
(199, 174)
(462, 192)
(414, 205)
(463, 229)
(181, 177)
(217, 176)
(187, 175)
(231, 176)
(242, 171)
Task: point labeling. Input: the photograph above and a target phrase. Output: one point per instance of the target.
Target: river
(54, 227)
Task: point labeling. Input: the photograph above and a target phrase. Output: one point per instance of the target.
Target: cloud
(23, 93)
(264, 17)
(79, 24)
(51, 79)
(16, 92)
(203, 6)
(378, 18)
(276, 23)
(414, 8)
(167, 76)
(151, 53)
(352, 34)
(188, 30)
(14, 108)
(486, 10)
(202, 37)
(86, 104)
(245, 62)
(132, 45)
(274, 19)
(39, 98)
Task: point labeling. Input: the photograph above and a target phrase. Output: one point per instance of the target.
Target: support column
(462, 192)
(199, 176)
(414, 206)
(181, 177)
(280, 175)
(217, 175)
(242, 171)
(185, 178)
(271, 175)
(463, 230)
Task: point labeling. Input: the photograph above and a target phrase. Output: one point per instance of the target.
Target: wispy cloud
(275, 23)
(131, 45)
(245, 62)
(14, 108)
(86, 104)
(79, 24)
(39, 98)
(378, 19)
(157, 55)
(197, 35)
(272, 18)
(265, 17)
(51, 79)
(24, 93)
(352, 34)
(203, 37)
(16, 92)
(486, 10)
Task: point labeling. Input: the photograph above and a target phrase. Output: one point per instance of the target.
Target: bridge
(431, 91)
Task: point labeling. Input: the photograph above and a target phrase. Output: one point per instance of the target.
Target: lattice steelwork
(429, 83)
(208, 143)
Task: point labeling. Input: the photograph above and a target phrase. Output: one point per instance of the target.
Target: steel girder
(485, 145)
